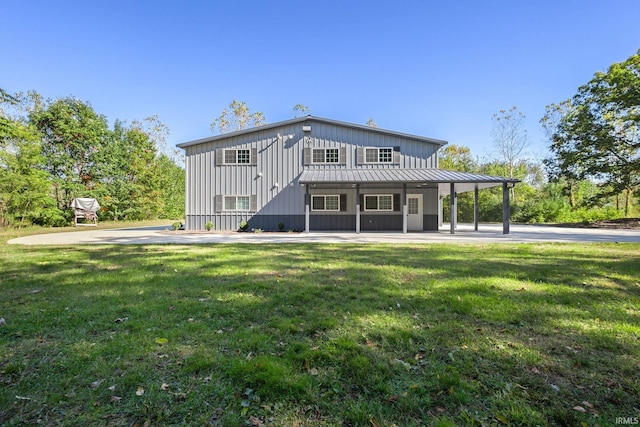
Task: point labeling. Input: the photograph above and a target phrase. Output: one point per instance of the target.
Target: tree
(236, 118)
(597, 134)
(510, 140)
(372, 123)
(457, 158)
(72, 134)
(24, 185)
(509, 137)
(301, 110)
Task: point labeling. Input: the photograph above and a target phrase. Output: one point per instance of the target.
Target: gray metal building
(312, 173)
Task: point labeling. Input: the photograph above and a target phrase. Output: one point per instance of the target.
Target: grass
(320, 334)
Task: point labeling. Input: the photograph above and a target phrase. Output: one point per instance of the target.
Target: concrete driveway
(488, 233)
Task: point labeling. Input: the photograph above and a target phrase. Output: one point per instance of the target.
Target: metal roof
(464, 181)
(310, 119)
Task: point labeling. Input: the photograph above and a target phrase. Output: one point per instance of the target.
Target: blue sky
(439, 69)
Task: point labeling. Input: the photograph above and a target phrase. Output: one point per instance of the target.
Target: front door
(414, 212)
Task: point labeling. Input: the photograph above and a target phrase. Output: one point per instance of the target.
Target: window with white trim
(325, 155)
(325, 202)
(378, 202)
(236, 203)
(241, 157)
(378, 155)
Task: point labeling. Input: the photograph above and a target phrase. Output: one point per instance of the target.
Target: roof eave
(296, 120)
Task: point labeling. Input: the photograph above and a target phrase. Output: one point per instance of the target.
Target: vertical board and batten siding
(281, 160)
(278, 161)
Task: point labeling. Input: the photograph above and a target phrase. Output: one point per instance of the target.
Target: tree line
(52, 151)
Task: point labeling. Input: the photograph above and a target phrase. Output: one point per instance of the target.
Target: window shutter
(218, 203)
(396, 155)
(361, 202)
(360, 155)
(307, 156)
(219, 157)
(343, 203)
(253, 203)
(396, 202)
(254, 156)
(343, 156)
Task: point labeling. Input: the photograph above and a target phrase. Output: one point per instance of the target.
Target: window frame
(235, 203)
(324, 205)
(325, 156)
(377, 208)
(378, 151)
(246, 156)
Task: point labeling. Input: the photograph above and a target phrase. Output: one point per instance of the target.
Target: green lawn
(320, 334)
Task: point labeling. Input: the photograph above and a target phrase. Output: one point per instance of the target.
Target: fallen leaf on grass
(313, 371)
(112, 388)
(96, 384)
(115, 399)
(579, 409)
(256, 421)
(161, 341)
(587, 404)
(140, 391)
(164, 386)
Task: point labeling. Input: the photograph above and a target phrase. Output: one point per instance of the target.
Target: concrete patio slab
(488, 233)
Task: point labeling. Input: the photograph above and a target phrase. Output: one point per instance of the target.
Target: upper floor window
(325, 155)
(233, 156)
(237, 156)
(379, 155)
(386, 155)
(334, 156)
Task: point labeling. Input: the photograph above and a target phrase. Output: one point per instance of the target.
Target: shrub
(281, 226)
(176, 226)
(208, 226)
(243, 226)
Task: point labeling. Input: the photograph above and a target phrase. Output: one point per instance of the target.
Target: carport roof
(464, 181)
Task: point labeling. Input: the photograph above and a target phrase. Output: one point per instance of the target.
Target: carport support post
(453, 214)
(506, 208)
(405, 212)
(476, 210)
(358, 208)
(307, 201)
